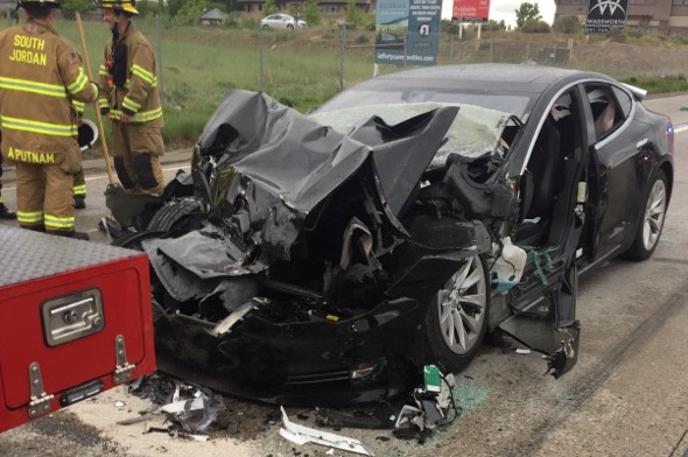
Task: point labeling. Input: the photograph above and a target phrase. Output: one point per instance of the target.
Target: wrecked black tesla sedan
(326, 258)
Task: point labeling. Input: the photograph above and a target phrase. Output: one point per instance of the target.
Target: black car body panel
(310, 259)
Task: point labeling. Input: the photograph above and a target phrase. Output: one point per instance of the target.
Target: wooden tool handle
(99, 119)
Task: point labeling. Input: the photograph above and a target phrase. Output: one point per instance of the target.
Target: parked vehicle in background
(282, 22)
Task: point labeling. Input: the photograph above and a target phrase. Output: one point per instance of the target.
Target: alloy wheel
(654, 214)
(461, 305)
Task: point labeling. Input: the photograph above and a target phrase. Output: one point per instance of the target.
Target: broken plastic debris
(201, 438)
(191, 409)
(226, 324)
(181, 406)
(431, 409)
(119, 404)
(300, 434)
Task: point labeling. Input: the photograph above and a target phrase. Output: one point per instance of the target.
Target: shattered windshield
(474, 132)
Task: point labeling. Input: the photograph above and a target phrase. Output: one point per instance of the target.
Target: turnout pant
(79, 189)
(137, 149)
(1, 200)
(44, 197)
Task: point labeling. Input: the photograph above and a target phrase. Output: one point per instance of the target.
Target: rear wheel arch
(668, 170)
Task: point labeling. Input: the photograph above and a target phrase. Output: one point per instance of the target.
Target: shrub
(311, 12)
(354, 16)
(190, 12)
(449, 27)
(536, 26)
(295, 10)
(494, 26)
(269, 7)
(362, 39)
(567, 24)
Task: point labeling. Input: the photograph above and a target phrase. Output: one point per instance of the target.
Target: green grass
(659, 85)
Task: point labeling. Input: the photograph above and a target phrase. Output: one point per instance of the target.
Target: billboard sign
(471, 10)
(604, 15)
(407, 31)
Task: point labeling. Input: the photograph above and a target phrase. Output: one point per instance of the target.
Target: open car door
(553, 215)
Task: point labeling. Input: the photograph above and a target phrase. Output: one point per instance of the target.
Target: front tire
(290, 27)
(651, 218)
(456, 319)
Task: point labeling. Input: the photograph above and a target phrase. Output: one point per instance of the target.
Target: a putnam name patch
(21, 155)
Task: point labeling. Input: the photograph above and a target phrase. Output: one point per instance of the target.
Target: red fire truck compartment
(76, 320)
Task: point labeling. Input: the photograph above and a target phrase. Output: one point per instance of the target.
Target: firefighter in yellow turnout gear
(40, 75)
(5, 213)
(129, 96)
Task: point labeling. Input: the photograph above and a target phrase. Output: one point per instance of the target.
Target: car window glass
(624, 100)
(606, 112)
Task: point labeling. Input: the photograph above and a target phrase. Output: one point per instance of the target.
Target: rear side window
(607, 113)
(625, 101)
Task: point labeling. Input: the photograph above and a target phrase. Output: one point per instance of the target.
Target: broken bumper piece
(559, 345)
(330, 363)
(300, 434)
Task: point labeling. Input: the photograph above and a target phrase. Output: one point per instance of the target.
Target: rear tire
(456, 319)
(651, 219)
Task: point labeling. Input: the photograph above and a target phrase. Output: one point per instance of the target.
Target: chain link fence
(197, 65)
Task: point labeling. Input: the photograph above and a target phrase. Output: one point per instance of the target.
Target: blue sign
(407, 31)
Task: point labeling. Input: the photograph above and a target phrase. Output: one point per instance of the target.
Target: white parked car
(281, 22)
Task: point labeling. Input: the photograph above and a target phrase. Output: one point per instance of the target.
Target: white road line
(681, 129)
(99, 177)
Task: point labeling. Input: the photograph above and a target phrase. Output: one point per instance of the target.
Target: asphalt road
(628, 395)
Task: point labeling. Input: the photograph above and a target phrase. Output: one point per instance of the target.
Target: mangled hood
(474, 132)
(269, 165)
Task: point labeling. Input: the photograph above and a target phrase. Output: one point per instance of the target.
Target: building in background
(212, 16)
(668, 15)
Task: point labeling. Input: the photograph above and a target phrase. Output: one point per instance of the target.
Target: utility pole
(342, 47)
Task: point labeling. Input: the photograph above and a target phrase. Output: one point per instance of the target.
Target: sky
(504, 9)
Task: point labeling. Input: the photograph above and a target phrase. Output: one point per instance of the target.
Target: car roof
(509, 77)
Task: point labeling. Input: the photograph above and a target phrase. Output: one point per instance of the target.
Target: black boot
(79, 201)
(6, 213)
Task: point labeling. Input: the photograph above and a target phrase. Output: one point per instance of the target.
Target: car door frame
(610, 229)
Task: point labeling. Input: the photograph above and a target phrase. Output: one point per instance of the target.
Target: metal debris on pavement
(192, 410)
(300, 434)
(433, 407)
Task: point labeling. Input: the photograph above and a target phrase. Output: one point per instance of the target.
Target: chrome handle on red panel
(72, 316)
